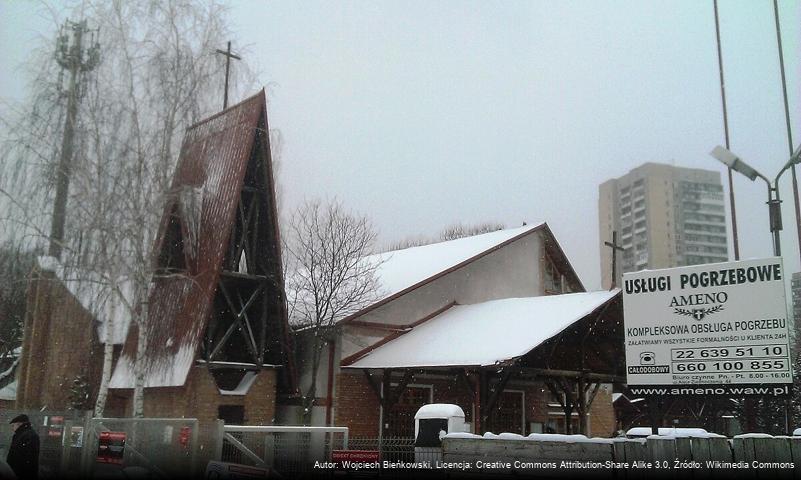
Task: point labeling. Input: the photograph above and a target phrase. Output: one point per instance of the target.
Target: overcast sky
(422, 114)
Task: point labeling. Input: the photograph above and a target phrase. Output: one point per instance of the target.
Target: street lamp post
(774, 202)
(774, 209)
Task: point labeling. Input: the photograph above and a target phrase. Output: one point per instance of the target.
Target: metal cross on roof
(228, 57)
(615, 248)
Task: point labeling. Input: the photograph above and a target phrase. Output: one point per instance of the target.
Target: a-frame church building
(215, 338)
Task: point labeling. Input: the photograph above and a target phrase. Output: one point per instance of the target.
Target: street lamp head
(734, 162)
(795, 159)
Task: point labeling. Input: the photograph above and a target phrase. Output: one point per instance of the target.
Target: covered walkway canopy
(572, 342)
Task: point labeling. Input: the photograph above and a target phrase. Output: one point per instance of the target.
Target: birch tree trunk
(108, 355)
(141, 347)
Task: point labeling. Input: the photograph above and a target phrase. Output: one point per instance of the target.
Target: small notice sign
(55, 426)
(111, 447)
(76, 437)
(183, 437)
(355, 459)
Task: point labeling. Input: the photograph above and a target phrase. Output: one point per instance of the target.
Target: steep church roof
(196, 228)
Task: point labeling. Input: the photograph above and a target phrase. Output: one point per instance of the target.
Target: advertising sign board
(714, 329)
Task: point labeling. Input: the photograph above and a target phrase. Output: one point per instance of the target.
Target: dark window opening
(171, 257)
(231, 414)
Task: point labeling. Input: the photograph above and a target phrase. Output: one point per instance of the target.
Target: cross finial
(615, 248)
(228, 57)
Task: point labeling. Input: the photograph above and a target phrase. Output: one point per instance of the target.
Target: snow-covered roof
(402, 269)
(167, 372)
(8, 372)
(439, 410)
(244, 385)
(95, 295)
(485, 333)
(209, 178)
(9, 392)
(618, 396)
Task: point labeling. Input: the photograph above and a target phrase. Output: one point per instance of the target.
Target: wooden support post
(492, 401)
(398, 391)
(581, 404)
(374, 386)
(478, 427)
(654, 414)
(470, 388)
(566, 401)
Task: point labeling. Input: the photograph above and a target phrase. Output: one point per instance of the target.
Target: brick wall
(602, 415)
(200, 398)
(356, 405)
(59, 343)
(358, 408)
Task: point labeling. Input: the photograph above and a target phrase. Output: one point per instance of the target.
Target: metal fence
(163, 447)
(393, 449)
(287, 450)
(293, 451)
(166, 448)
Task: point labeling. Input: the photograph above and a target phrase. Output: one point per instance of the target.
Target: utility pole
(228, 57)
(76, 60)
(726, 134)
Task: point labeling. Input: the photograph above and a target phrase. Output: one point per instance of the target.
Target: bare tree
(329, 276)
(158, 75)
(15, 266)
(451, 232)
(458, 230)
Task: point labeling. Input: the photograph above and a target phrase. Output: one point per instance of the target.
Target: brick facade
(59, 343)
(603, 421)
(200, 398)
(357, 406)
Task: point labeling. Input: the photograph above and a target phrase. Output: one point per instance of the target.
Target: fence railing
(285, 449)
(393, 449)
(166, 447)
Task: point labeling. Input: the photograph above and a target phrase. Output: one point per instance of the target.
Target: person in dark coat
(23, 455)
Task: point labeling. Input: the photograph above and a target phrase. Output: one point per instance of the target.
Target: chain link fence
(71, 444)
(162, 447)
(393, 449)
(293, 451)
(287, 450)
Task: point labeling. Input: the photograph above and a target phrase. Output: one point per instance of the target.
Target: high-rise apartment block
(664, 216)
